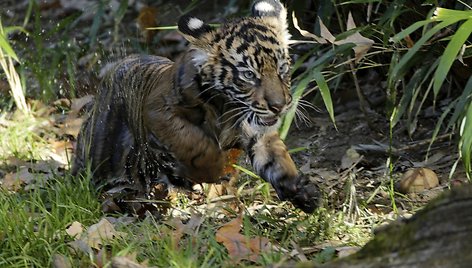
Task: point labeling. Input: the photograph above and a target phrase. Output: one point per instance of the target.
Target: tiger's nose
(276, 107)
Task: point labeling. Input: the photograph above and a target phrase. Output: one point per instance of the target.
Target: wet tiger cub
(156, 121)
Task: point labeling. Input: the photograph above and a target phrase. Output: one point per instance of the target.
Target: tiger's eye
(249, 75)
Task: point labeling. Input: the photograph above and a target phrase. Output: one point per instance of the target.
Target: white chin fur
(252, 129)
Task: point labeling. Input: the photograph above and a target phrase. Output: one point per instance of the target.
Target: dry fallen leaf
(79, 103)
(95, 236)
(75, 229)
(239, 246)
(232, 157)
(318, 39)
(60, 261)
(100, 232)
(363, 44)
(16, 180)
(190, 228)
(350, 158)
(125, 262)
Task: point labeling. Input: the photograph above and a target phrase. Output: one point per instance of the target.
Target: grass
(19, 137)
(33, 228)
(35, 231)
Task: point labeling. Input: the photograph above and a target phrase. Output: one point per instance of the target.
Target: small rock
(417, 180)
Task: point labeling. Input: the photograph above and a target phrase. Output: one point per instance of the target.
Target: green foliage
(34, 222)
(21, 139)
(465, 144)
(416, 74)
(7, 58)
(441, 19)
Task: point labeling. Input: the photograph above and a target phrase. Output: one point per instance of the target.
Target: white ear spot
(264, 7)
(194, 23)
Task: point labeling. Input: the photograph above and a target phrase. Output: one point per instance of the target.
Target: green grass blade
(451, 14)
(461, 104)
(5, 46)
(247, 171)
(325, 93)
(120, 13)
(97, 21)
(440, 121)
(413, 84)
(450, 53)
(11, 29)
(163, 28)
(466, 141)
(288, 118)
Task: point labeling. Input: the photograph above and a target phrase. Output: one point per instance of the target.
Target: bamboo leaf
(461, 104)
(451, 14)
(407, 57)
(325, 93)
(288, 118)
(450, 53)
(399, 36)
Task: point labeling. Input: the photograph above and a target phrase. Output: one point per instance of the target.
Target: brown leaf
(60, 261)
(75, 229)
(362, 43)
(62, 151)
(125, 262)
(15, 180)
(147, 19)
(72, 126)
(318, 39)
(232, 157)
(75, 118)
(190, 228)
(98, 233)
(95, 236)
(239, 246)
(79, 103)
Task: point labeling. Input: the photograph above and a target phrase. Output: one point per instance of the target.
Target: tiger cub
(158, 121)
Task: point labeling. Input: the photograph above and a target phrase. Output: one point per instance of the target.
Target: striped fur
(156, 121)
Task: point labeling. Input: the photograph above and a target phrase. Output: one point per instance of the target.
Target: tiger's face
(246, 60)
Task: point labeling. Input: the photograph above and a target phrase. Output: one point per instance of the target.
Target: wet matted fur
(155, 121)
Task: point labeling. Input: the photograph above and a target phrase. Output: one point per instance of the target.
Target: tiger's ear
(267, 8)
(194, 29)
(199, 34)
(273, 10)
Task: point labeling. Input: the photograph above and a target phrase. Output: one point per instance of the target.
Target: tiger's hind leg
(271, 161)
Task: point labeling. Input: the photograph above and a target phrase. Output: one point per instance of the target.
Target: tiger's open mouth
(268, 121)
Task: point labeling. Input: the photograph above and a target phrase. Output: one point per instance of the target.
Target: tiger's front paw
(300, 191)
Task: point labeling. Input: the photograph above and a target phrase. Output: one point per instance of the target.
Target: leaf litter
(239, 246)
